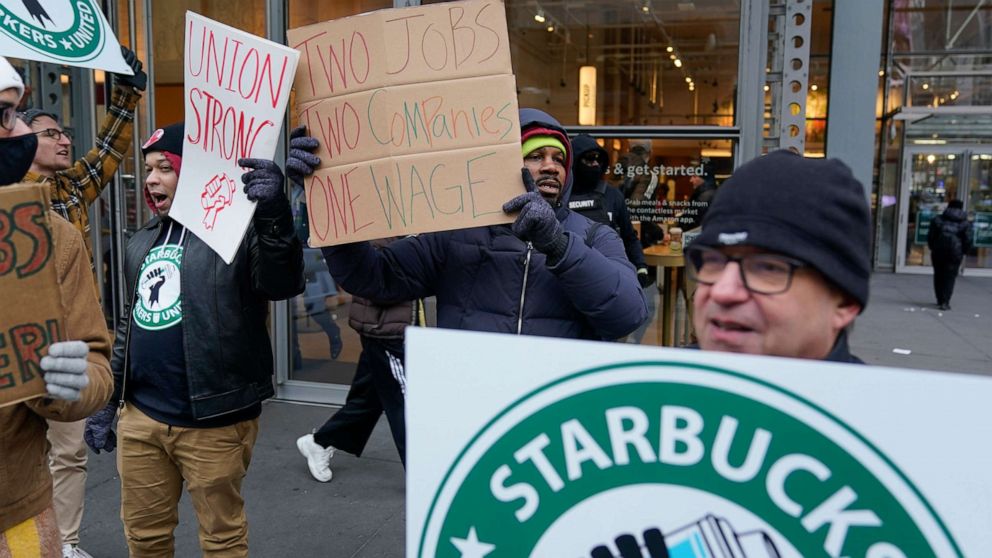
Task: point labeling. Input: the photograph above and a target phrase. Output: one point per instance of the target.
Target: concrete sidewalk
(361, 512)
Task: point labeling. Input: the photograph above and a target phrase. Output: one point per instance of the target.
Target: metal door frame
(962, 150)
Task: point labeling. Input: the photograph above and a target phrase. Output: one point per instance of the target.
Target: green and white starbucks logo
(68, 30)
(676, 460)
(158, 304)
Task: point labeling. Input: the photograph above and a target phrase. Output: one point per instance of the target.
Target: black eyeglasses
(8, 117)
(760, 273)
(54, 133)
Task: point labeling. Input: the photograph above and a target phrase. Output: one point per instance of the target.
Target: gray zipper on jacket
(523, 289)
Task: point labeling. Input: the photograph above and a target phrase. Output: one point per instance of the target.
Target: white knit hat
(9, 77)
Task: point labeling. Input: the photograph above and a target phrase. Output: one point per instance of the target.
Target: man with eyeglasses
(74, 186)
(782, 261)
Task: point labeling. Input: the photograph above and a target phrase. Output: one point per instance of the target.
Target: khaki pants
(154, 459)
(67, 461)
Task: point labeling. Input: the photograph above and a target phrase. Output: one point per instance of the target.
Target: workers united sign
(679, 453)
(72, 32)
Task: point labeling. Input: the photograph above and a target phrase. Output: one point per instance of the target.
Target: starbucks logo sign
(680, 460)
(70, 31)
(158, 304)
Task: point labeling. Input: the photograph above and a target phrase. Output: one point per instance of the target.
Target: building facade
(901, 90)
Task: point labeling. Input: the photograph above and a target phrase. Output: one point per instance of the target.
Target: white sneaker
(318, 457)
(70, 551)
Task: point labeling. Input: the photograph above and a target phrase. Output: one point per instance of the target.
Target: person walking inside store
(76, 371)
(950, 240)
(190, 386)
(551, 273)
(74, 187)
(782, 260)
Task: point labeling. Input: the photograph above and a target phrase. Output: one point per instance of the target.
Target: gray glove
(99, 431)
(65, 369)
(265, 184)
(301, 161)
(537, 221)
(139, 80)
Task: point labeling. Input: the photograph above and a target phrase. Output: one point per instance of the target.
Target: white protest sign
(237, 87)
(72, 32)
(545, 447)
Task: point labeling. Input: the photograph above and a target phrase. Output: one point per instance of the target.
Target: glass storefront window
(648, 63)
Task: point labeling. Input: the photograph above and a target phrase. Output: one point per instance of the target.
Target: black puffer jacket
(949, 237)
(225, 338)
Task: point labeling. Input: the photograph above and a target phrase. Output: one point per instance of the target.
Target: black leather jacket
(228, 352)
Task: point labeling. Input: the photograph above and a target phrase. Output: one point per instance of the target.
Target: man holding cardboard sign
(552, 272)
(43, 267)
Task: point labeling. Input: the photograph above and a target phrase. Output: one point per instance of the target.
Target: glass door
(978, 203)
(932, 177)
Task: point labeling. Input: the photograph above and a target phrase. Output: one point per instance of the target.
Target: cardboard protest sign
(32, 302)
(416, 113)
(72, 32)
(565, 448)
(237, 88)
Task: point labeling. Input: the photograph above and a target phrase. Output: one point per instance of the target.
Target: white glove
(65, 369)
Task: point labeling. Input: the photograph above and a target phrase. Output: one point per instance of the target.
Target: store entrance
(932, 176)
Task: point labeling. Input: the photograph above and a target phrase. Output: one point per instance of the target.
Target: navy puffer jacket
(486, 279)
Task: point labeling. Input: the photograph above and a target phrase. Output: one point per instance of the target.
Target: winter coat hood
(530, 118)
(954, 214)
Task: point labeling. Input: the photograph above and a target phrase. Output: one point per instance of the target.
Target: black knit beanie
(169, 138)
(813, 210)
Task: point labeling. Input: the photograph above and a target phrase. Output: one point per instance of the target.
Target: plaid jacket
(75, 188)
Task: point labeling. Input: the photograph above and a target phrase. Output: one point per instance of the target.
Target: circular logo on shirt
(674, 459)
(68, 30)
(158, 304)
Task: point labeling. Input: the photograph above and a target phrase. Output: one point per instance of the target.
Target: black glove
(99, 431)
(265, 184)
(644, 277)
(301, 161)
(537, 221)
(139, 80)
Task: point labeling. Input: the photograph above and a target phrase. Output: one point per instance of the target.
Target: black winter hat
(169, 138)
(584, 143)
(813, 210)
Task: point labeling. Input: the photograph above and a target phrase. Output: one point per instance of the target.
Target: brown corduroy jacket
(25, 482)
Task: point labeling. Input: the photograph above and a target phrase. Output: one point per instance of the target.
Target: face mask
(587, 177)
(18, 154)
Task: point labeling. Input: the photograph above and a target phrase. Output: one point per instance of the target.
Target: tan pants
(67, 461)
(154, 459)
(37, 537)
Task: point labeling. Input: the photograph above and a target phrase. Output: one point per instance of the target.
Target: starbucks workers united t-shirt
(158, 384)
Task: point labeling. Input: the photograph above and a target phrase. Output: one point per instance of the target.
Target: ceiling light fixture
(678, 63)
(539, 16)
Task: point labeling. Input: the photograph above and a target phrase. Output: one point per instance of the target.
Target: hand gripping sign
(237, 87)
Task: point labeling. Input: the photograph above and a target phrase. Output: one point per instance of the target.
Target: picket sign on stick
(416, 113)
(237, 88)
(72, 32)
(29, 292)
